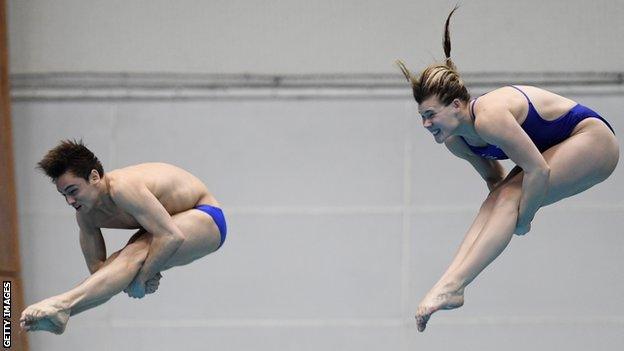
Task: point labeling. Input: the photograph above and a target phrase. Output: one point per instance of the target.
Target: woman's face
(438, 119)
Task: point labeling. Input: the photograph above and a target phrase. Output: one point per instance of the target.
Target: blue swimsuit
(218, 217)
(543, 133)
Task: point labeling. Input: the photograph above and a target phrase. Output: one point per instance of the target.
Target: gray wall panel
(334, 250)
(290, 146)
(295, 37)
(313, 267)
(552, 272)
(38, 127)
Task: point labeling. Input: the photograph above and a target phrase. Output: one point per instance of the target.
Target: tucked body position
(176, 218)
(560, 149)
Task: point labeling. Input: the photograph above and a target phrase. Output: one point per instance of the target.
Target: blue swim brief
(217, 216)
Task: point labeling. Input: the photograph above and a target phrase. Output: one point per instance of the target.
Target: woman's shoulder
(497, 111)
(511, 100)
(519, 94)
(494, 103)
(517, 98)
(503, 96)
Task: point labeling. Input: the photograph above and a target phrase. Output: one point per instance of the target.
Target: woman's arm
(490, 170)
(497, 126)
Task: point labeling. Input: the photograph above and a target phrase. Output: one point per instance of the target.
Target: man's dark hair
(70, 156)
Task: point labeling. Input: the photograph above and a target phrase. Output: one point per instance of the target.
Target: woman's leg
(494, 236)
(587, 158)
(473, 232)
(477, 225)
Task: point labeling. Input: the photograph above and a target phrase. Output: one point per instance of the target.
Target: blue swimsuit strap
(473, 102)
(523, 93)
(474, 116)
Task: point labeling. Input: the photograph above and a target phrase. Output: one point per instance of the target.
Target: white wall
(342, 211)
(300, 36)
(341, 214)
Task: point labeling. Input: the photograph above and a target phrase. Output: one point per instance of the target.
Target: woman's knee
(489, 201)
(509, 193)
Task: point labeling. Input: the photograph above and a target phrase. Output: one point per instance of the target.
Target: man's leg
(201, 238)
(117, 272)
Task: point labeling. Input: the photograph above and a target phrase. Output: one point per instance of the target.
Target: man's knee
(135, 253)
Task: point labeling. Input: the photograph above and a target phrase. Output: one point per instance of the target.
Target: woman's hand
(522, 229)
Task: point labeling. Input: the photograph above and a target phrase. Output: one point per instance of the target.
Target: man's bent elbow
(172, 241)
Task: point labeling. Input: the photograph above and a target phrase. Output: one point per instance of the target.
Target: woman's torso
(547, 118)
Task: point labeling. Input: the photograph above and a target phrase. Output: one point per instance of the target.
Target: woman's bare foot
(444, 298)
(50, 315)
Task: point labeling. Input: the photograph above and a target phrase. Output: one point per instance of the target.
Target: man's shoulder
(133, 174)
(141, 170)
(85, 221)
(120, 183)
(157, 178)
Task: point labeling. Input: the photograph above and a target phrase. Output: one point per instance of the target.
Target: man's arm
(138, 201)
(92, 245)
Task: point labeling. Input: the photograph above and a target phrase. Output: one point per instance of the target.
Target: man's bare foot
(50, 315)
(438, 299)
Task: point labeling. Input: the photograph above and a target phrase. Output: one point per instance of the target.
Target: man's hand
(137, 290)
(152, 284)
(138, 201)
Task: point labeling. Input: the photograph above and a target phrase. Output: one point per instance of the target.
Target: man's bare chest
(115, 218)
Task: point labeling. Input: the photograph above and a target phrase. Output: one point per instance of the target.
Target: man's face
(78, 193)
